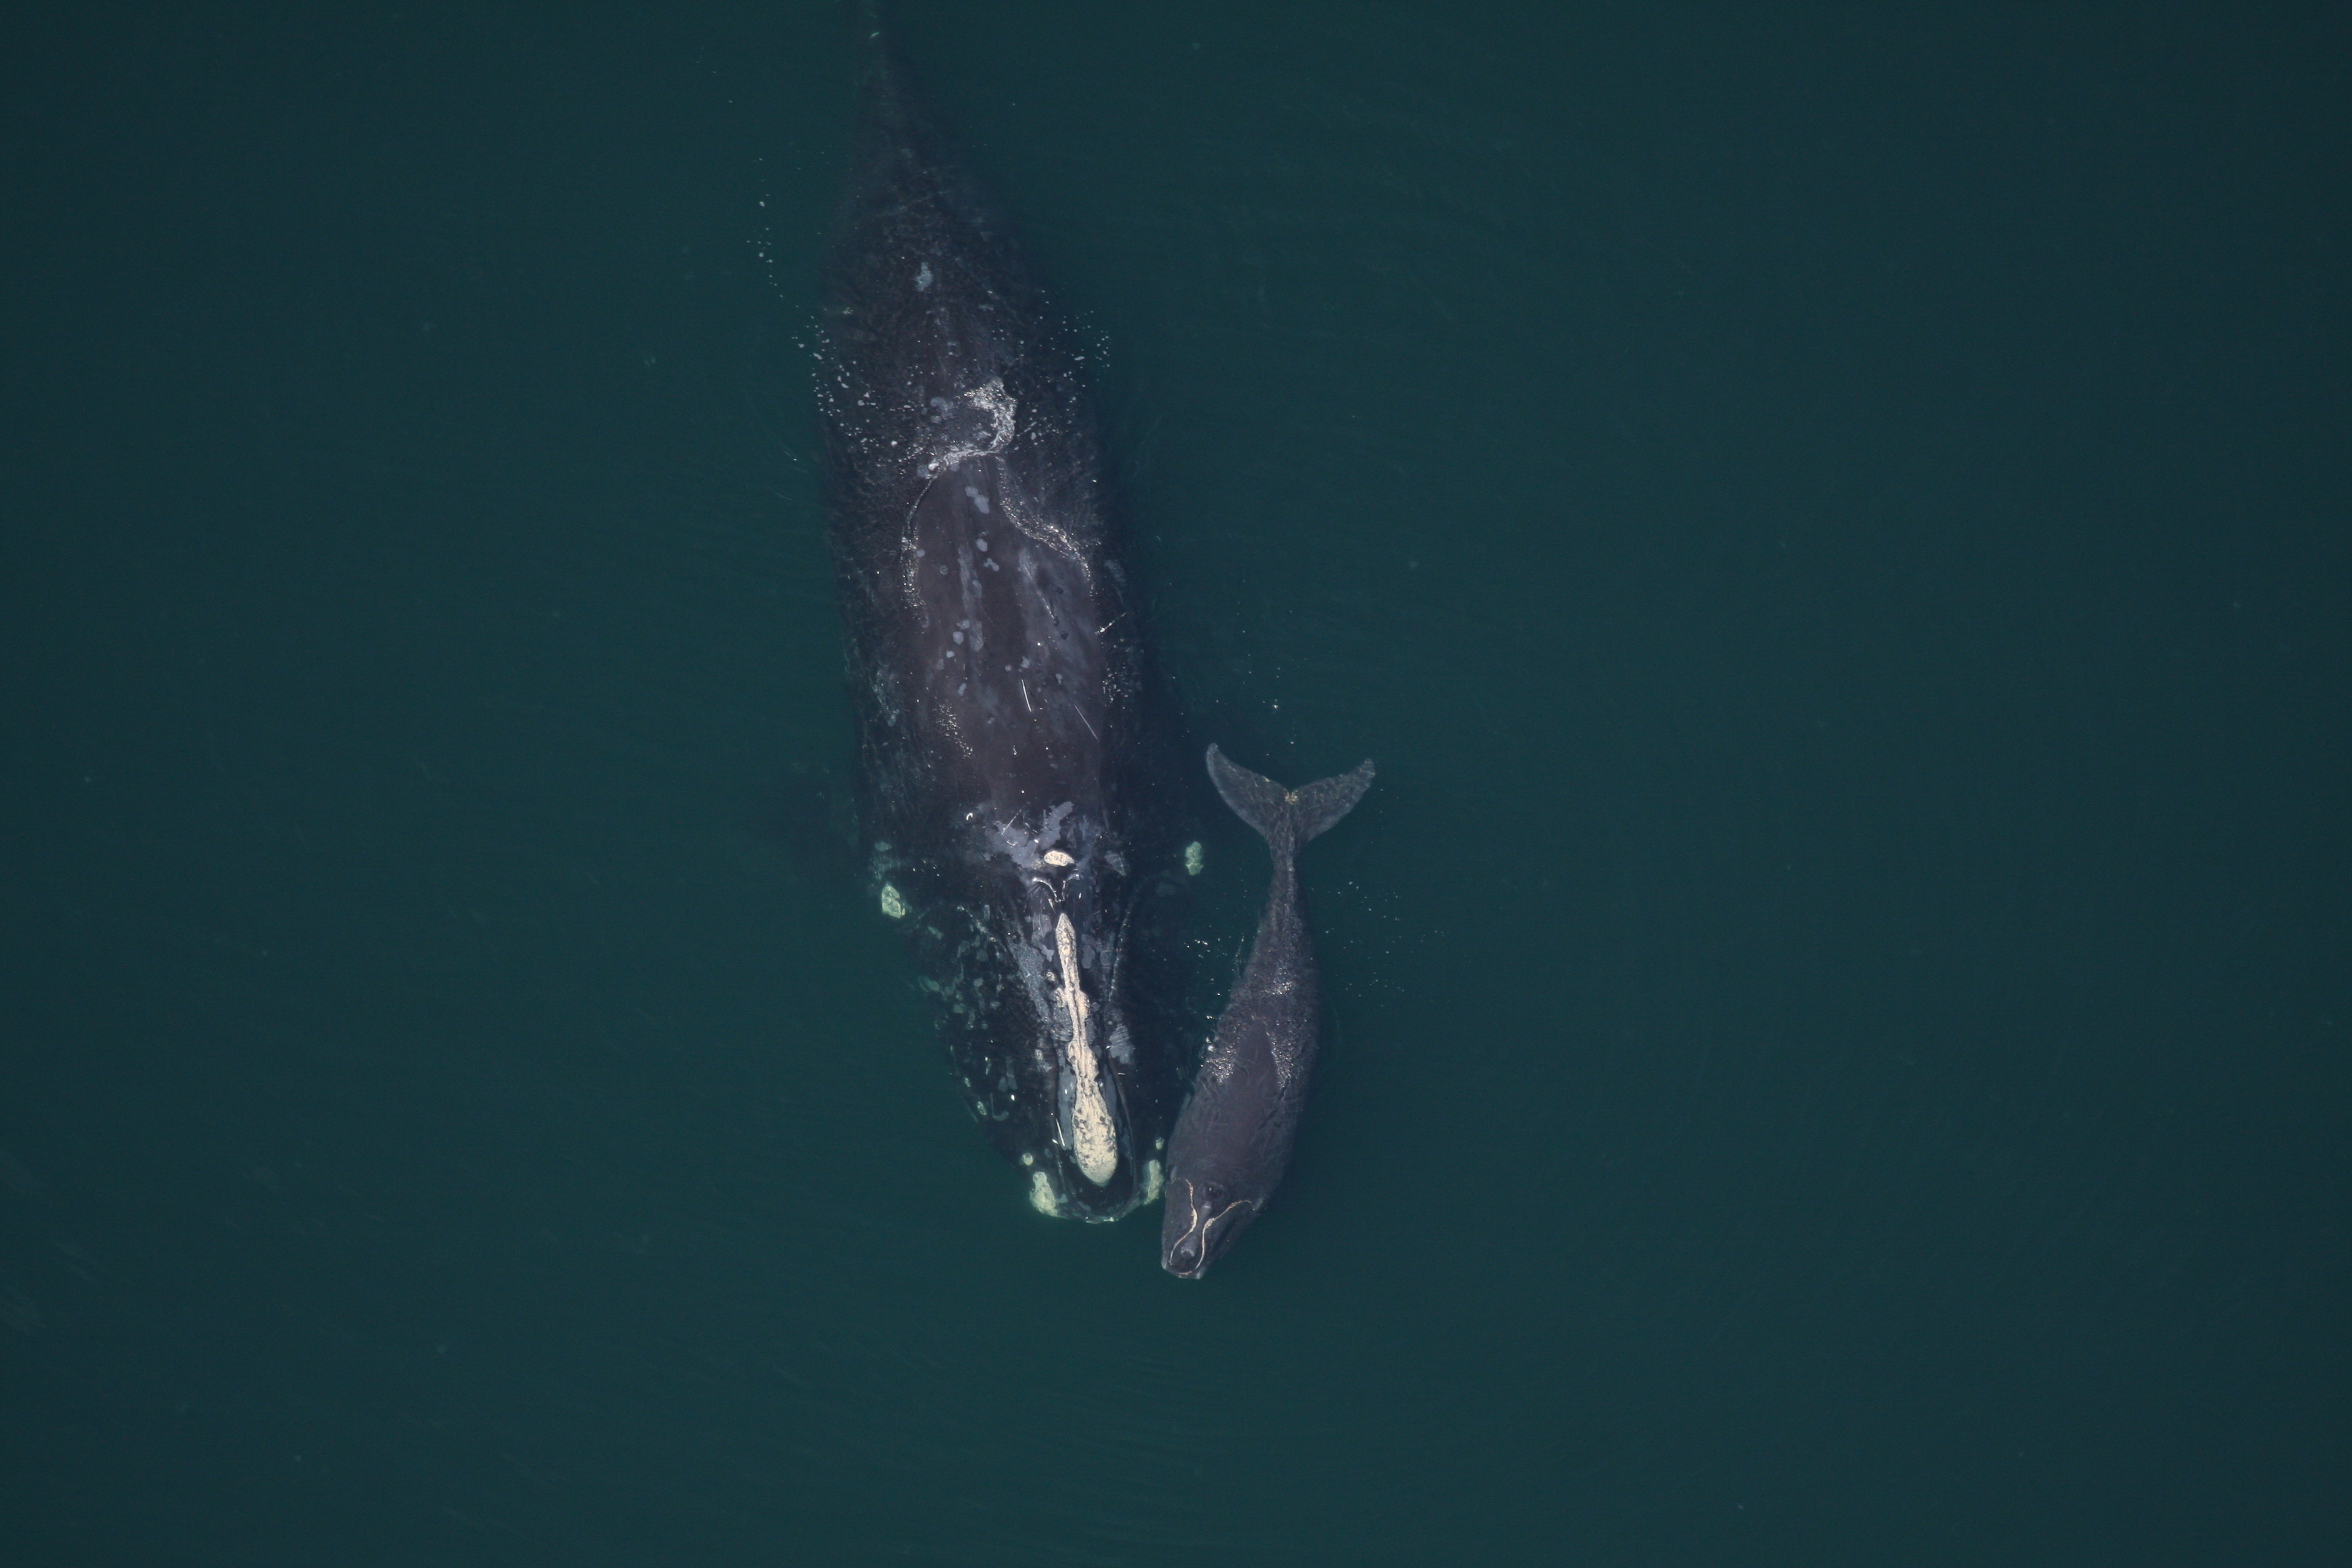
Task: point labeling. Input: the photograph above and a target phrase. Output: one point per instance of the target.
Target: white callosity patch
(1151, 1179)
(894, 903)
(1041, 1195)
(1079, 1043)
(1095, 1139)
(1193, 858)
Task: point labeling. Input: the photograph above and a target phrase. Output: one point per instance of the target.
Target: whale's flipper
(1304, 812)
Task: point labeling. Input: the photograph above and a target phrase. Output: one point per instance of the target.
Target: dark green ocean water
(1834, 524)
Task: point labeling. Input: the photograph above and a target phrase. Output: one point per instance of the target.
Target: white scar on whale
(1090, 1123)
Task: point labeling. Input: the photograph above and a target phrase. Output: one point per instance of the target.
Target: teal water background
(1832, 524)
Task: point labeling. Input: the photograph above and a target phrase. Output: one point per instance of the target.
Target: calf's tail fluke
(1292, 815)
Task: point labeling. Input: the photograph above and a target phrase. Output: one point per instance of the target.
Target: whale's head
(1203, 1218)
(1030, 965)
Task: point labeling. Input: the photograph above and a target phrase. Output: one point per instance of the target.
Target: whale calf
(1233, 1139)
(1009, 797)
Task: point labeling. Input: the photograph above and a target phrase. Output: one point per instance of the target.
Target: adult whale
(1009, 792)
